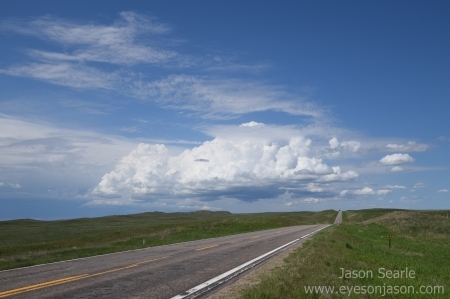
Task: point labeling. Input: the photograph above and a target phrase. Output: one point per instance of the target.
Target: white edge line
(146, 248)
(230, 273)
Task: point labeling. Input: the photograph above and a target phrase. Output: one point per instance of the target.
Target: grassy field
(420, 243)
(31, 242)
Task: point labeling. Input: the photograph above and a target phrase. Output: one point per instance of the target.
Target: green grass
(30, 242)
(420, 242)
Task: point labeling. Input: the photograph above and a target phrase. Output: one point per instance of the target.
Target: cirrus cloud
(365, 191)
(410, 146)
(420, 185)
(116, 43)
(395, 187)
(218, 98)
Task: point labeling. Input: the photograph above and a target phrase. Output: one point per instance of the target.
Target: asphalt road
(156, 272)
(338, 218)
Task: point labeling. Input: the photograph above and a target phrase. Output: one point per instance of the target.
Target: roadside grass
(420, 243)
(30, 242)
(367, 215)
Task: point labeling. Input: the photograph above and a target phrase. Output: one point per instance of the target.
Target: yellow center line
(113, 270)
(207, 247)
(67, 279)
(255, 237)
(41, 285)
(149, 261)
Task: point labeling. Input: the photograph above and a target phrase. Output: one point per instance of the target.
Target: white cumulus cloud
(364, 191)
(443, 191)
(353, 146)
(396, 159)
(341, 149)
(217, 168)
(383, 192)
(397, 169)
(252, 124)
(334, 143)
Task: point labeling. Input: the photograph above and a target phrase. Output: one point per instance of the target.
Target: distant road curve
(156, 272)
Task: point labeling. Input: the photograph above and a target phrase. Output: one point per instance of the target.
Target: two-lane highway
(156, 272)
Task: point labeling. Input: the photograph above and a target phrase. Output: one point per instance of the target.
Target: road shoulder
(253, 277)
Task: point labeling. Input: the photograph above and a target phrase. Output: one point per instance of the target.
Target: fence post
(390, 238)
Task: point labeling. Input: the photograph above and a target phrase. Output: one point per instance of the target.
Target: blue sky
(112, 107)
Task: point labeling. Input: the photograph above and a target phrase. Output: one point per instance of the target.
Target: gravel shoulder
(253, 277)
